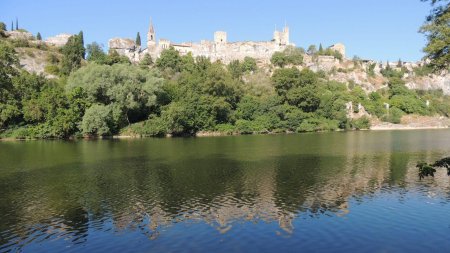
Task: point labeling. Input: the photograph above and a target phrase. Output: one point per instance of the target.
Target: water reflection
(57, 190)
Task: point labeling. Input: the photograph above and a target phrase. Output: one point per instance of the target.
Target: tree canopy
(437, 31)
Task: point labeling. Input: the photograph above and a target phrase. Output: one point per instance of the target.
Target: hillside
(62, 90)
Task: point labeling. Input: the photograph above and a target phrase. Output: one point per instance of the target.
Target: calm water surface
(322, 192)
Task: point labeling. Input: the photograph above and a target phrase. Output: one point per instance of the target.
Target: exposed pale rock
(19, 35)
(432, 82)
(59, 40)
(122, 43)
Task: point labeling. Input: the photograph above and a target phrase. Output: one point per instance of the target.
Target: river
(353, 191)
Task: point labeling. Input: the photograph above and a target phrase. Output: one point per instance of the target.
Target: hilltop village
(218, 49)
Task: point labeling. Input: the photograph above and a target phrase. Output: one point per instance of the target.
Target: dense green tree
(278, 59)
(437, 31)
(73, 53)
(320, 48)
(115, 58)
(235, 69)
(291, 55)
(305, 98)
(38, 36)
(249, 64)
(146, 61)
(98, 120)
(138, 39)
(169, 59)
(96, 54)
(9, 107)
(17, 24)
(189, 115)
(81, 44)
(312, 50)
(248, 108)
(131, 88)
(218, 82)
(284, 79)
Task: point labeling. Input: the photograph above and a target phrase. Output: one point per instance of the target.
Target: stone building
(217, 49)
(339, 47)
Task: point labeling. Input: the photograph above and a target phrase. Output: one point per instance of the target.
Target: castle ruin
(218, 49)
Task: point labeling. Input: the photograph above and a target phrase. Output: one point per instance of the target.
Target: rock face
(122, 43)
(33, 60)
(126, 47)
(356, 114)
(17, 35)
(432, 82)
(58, 40)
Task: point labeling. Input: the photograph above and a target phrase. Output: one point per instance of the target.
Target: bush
(361, 123)
(424, 70)
(318, 124)
(52, 58)
(395, 115)
(291, 55)
(225, 128)
(153, 127)
(244, 126)
(20, 43)
(99, 121)
(52, 69)
(371, 70)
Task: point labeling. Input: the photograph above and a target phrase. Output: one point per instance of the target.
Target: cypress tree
(320, 48)
(81, 44)
(12, 25)
(17, 24)
(138, 39)
(38, 36)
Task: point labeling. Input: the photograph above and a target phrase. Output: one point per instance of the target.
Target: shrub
(318, 124)
(424, 70)
(98, 120)
(244, 126)
(395, 115)
(52, 69)
(225, 128)
(361, 123)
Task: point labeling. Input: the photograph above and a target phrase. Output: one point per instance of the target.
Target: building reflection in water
(150, 195)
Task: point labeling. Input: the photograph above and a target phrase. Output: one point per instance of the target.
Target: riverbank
(408, 122)
(413, 122)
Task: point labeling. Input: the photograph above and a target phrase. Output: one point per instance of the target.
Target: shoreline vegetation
(393, 127)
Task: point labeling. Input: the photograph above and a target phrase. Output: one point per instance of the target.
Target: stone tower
(151, 37)
(281, 37)
(286, 35)
(220, 37)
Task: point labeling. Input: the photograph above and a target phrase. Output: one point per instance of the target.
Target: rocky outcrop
(431, 82)
(126, 47)
(58, 40)
(358, 113)
(122, 44)
(19, 35)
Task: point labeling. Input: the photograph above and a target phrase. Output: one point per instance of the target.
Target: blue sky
(374, 29)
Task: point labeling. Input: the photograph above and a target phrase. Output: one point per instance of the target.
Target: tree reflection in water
(149, 188)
